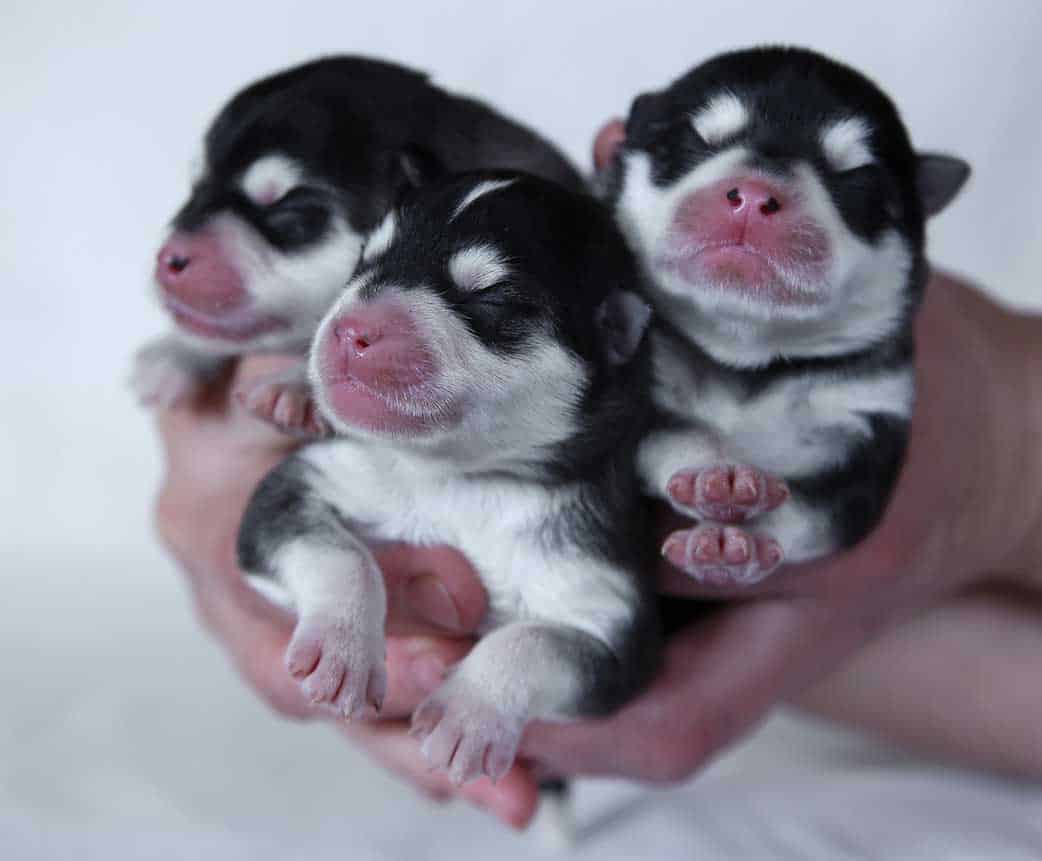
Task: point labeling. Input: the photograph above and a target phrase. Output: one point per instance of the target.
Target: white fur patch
(480, 190)
(724, 116)
(794, 428)
(477, 268)
(269, 179)
(846, 143)
(381, 238)
(393, 493)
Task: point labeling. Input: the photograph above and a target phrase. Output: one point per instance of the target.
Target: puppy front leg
(472, 724)
(292, 535)
(167, 372)
(285, 401)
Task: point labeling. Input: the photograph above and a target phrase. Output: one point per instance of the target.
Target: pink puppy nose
(377, 345)
(196, 270)
(747, 197)
(358, 334)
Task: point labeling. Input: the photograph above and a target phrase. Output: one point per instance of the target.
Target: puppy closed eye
(297, 217)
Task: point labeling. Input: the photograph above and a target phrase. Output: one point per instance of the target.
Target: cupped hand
(215, 456)
(967, 509)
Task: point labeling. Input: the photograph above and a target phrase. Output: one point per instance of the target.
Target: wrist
(1023, 348)
(1032, 556)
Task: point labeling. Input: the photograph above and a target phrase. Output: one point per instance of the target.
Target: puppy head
(491, 320)
(297, 168)
(775, 188)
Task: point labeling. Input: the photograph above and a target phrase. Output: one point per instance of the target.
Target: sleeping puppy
(298, 168)
(776, 203)
(485, 376)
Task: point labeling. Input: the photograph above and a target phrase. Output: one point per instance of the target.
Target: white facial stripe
(722, 117)
(477, 268)
(480, 190)
(269, 178)
(381, 238)
(846, 143)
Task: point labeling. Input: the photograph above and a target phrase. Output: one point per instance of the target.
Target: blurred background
(123, 731)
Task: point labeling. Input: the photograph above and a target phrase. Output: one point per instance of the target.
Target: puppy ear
(646, 119)
(940, 178)
(621, 321)
(608, 142)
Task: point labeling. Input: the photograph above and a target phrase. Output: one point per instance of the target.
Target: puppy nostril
(177, 263)
(771, 206)
(734, 196)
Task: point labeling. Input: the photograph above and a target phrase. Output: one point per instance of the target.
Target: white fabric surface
(123, 733)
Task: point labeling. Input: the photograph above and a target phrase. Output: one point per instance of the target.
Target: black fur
(790, 95)
(566, 258)
(348, 121)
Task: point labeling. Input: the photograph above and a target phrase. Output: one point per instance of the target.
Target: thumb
(431, 590)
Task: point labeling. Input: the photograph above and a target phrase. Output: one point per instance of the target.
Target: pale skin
(929, 632)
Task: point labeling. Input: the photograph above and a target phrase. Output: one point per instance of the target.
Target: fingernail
(428, 672)
(672, 549)
(429, 599)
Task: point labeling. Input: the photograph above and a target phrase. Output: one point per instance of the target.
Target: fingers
(512, 800)
(719, 678)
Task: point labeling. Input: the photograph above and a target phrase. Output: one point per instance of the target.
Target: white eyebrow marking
(269, 178)
(482, 188)
(381, 238)
(722, 117)
(477, 268)
(846, 143)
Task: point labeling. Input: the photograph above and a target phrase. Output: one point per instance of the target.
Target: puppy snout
(378, 346)
(196, 271)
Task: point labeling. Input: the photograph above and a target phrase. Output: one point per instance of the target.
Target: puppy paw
(726, 493)
(285, 402)
(337, 664)
(159, 379)
(466, 734)
(723, 555)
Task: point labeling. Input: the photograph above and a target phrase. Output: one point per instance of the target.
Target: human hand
(215, 455)
(976, 431)
(966, 511)
(976, 428)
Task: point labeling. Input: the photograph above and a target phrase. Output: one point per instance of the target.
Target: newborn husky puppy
(299, 167)
(778, 207)
(485, 376)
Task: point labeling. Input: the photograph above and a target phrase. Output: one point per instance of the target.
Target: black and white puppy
(298, 168)
(778, 207)
(485, 374)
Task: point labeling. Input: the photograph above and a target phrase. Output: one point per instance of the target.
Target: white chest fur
(503, 526)
(794, 427)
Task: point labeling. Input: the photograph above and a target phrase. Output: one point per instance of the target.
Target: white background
(114, 704)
